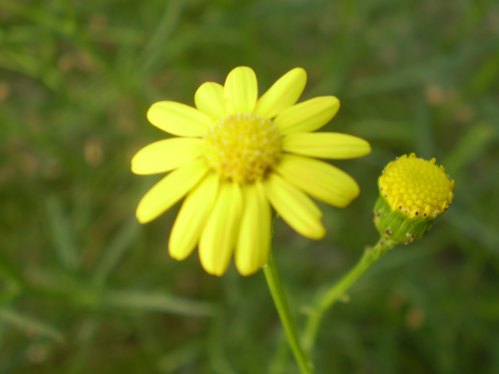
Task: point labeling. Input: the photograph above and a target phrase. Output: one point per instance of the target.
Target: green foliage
(84, 288)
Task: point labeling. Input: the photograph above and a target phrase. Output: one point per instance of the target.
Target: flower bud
(413, 192)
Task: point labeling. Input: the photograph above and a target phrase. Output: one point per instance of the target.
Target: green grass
(84, 288)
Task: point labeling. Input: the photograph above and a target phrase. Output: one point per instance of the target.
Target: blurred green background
(84, 288)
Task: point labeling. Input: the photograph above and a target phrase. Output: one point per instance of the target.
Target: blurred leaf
(176, 359)
(62, 235)
(475, 228)
(219, 360)
(156, 49)
(472, 145)
(422, 127)
(12, 282)
(151, 301)
(30, 325)
(486, 75)
(116, 250)
(420, 72)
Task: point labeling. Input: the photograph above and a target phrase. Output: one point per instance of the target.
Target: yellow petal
(192, 217)
(169, 190)
(294, 207)
(326, 145)
(308, 115)
(166, 155)
(282, 94)
(254, 236)
(220, 233)
(319, 179)
(209, 99)
(178, 119)
(241, 90)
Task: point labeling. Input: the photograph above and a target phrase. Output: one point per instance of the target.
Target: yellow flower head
(413, 192)
(233, 156)
(416, 187)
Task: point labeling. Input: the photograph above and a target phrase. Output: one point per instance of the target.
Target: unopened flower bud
(413, 192)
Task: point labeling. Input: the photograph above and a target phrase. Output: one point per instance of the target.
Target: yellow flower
(233, 155)
(413, 192)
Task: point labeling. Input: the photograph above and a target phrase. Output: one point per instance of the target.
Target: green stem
(338, 290)
(277, 291)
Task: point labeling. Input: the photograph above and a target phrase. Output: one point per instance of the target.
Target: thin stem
(277, 291)
(338, 290)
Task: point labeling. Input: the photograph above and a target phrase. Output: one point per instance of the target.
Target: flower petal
(169, 190)
(220, 233)
(282, 94)
(192, 217)
(178, 119)
(326, 145)
(209, 99)
(254, 236)
(241, 90)
(166, 155)
(294, 207)
(319, 179)
(308, 115)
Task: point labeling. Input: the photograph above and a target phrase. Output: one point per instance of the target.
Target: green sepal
(396, 226)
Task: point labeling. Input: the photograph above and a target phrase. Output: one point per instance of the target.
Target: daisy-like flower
(233, 157)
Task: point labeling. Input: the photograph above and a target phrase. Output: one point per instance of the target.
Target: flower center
(243, 147)
(416, 187)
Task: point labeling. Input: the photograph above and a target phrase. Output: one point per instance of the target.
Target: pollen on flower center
(416, 187)
(243, 147)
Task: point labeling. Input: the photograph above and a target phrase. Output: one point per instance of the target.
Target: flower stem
(338, 290)
(277, 291)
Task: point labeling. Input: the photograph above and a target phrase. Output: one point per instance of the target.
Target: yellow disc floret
(416, 187)
(243, 147)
